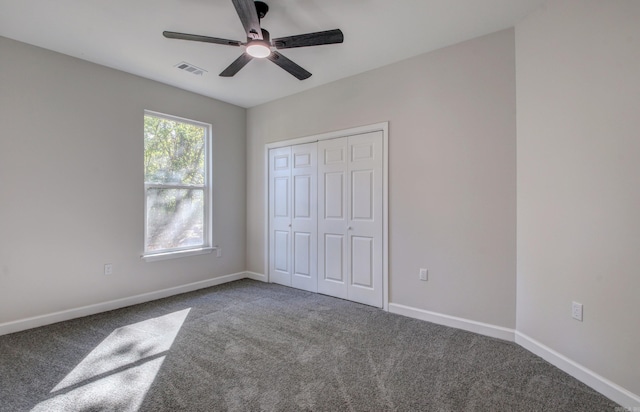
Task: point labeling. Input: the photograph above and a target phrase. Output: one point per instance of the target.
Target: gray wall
(71, 179)
(71, 183)
(578, 88)
(452, 170)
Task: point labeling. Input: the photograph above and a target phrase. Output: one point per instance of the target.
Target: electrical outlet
(218, 251)
(108, 269)
(576, 311)
(424, 274)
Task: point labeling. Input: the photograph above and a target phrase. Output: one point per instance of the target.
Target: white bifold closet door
(293, 205)
(350, 217)
(325, 217)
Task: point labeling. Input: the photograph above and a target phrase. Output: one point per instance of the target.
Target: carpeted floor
(250, 346)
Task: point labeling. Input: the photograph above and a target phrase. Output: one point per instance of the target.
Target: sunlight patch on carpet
(117, 374)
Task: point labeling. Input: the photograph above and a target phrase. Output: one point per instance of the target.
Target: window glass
(176, 183)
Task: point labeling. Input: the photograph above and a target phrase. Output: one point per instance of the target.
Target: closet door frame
(384, 128)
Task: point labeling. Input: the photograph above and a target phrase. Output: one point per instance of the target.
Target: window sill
(152, 257)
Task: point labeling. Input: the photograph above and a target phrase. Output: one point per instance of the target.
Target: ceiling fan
(259, 44)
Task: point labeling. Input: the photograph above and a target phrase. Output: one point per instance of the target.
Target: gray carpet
(250, 346)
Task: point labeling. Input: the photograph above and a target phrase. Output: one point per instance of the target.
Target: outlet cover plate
(576, 311)
(424, 274)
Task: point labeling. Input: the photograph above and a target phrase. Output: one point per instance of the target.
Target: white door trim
(384, 127)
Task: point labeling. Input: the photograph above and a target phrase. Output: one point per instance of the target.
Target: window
(177, 185)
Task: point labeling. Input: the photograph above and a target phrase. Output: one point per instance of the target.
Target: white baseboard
(34, 322)
(609, 389)
(486, 329)
(256, 276)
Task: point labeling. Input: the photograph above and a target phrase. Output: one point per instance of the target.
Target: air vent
(188, 67)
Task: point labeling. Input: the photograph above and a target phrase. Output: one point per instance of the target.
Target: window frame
(206, 187)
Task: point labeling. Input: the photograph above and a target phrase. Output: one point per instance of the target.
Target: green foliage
(173, 152)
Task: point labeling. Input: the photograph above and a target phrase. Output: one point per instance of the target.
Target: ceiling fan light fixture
(258, 49)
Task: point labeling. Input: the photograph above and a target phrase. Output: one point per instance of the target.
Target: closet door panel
(281, 251)
(362, 258)
(365, 218)
(302, 253)
(332, 217)
(334, 263)
(334, 189)
(281, 197)
(280, 258)
(304, 222)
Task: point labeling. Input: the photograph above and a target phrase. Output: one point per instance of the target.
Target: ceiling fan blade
(246, 10)
(289, 66)
(235, 67)
(196, 37)
(309, 39)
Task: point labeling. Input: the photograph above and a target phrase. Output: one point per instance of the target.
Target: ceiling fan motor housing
(261, 8)
(266, 36)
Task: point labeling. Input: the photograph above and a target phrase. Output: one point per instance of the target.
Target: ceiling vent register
(190, 68)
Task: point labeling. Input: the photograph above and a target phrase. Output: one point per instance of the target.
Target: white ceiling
(127, 35)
